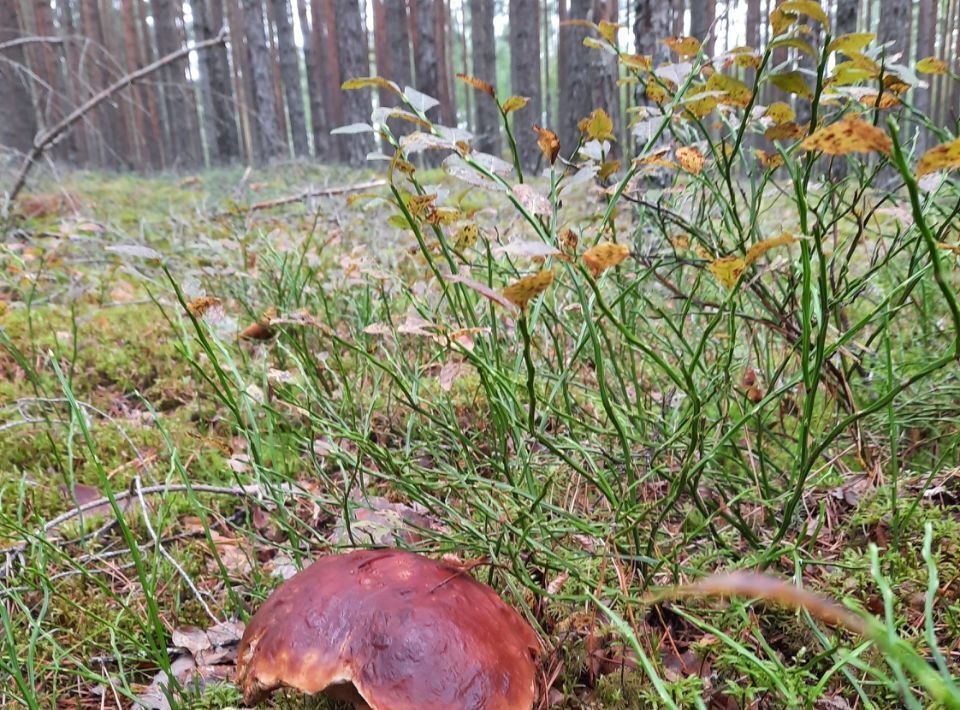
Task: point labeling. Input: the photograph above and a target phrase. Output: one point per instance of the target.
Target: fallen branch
(43, 140)
(306, 194)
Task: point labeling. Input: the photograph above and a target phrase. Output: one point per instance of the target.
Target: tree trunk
(334, 98)
(525, 77)
(18, 122)
(443, 65)
(397, 39)
(177, 88)
(753, 23)
(846, 17)
(318, 122)
(221, 88)
(484, 51)
(427, 77)
(243, 83)
(75, 139)
(134, 60)
(271, 34)
(702, 14)
(102, 116)
(547, 88)
(895, 25)
(271, 144)
(47, 64)
(354, 62)
(381, 50)
(290, 75)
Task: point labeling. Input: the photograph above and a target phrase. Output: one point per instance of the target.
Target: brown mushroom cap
(406, 631)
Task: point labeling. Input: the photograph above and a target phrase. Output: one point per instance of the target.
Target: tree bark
(134, 61)
(895, 25)
(75, 143)
(525, 77)
(354, 62)
(177, 88)
(271, 144)
(47, 64)
(318, 122)
(484, 51)
(18, 121)
(221, 88)
(702, 15)
(290, 76)
(443, 65)
(753, 23)
(332, 72)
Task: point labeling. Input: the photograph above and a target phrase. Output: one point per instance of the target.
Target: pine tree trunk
(243, 83)
(271, 144)
(134, 61)
(102, 116)
(75, 140)
(425, 60)
(47, 64)
(354, 62)
(753, 23)
(895, 25)
(547, 88)
(290, 75)
(443, 65)
(176, 88)
(381, 50)
(318, 121)
(18, 122)
(333, 93)
(156, 103)
(397, 60)
(483, 41)
(221, 89)
(702, 14)
(525, 77)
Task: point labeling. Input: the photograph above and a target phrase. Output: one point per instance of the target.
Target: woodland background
(272, 90)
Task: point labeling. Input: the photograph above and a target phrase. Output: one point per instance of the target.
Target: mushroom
(390, 630)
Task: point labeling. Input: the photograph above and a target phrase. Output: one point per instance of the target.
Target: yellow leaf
(806, 7)
(466, 237)
(549, 143)
(780, 112)
(932, 65)
(698, 107)
(781, 21)
(690, 159)
(762, 247)
(367, 81)
(853, 42)
(598, 125)
(478, 84)
(850, 135)
(769, 161)
(846, 73)
(944, 156)
(443, 215)
(521, 292)
(608, 30)
(727, 270)
(608, 169)
(736, 93)
(656, 93)
(640, 62)
(795, 43)
(683, 46)
(604, 256)
(792, 82)
(515, 103)
(785, 131)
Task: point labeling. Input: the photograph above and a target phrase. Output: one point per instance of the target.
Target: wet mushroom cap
(404, 630)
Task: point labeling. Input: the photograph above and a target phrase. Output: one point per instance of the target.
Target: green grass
(629, 431)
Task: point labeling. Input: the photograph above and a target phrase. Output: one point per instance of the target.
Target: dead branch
(43, 140)
(20, 41)
(299, 197)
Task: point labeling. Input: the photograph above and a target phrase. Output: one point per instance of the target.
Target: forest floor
(235, 461)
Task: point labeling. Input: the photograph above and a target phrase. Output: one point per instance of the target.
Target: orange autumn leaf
(521, 292)
(478, 84)
(371, 81)
(549, 143)
(762, 247)
(785, 131)
(769, 161)
(683, 46)
(690, 159)
(941, 157)
(850, 135)
(601, 257)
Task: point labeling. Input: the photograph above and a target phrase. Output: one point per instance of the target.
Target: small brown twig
(300, 196)
(43, 140)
